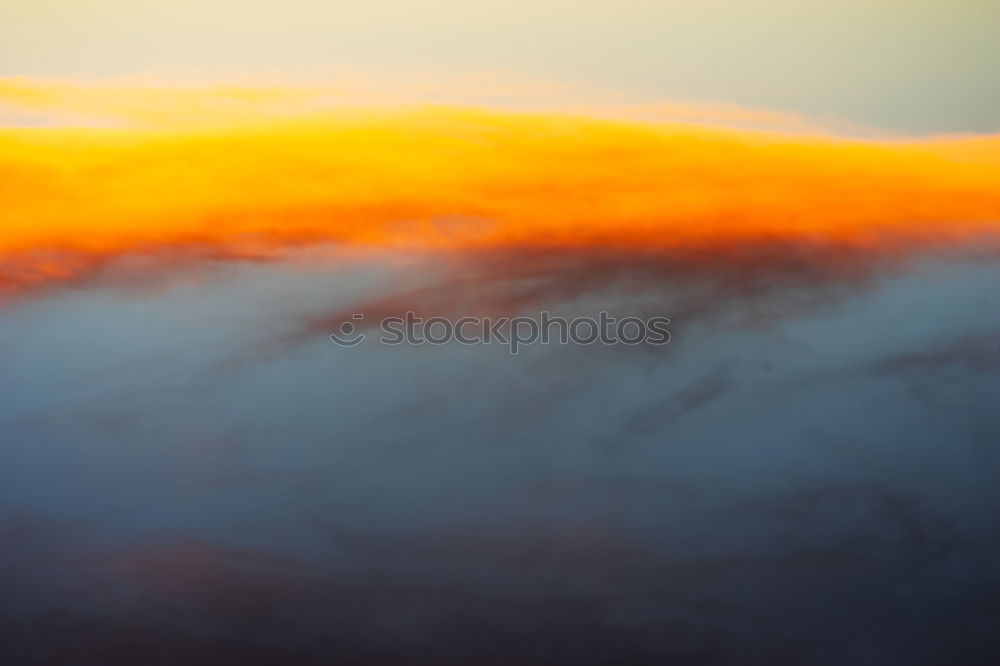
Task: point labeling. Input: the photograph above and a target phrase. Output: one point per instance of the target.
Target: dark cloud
(851, 573)
(793, 482)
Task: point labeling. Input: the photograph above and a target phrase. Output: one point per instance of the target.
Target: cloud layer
(255, 181)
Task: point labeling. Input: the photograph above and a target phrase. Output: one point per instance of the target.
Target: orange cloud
(436, 177)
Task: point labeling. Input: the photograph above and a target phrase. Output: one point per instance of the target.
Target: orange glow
(452, 178)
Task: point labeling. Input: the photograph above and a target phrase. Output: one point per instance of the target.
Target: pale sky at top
(901, 65)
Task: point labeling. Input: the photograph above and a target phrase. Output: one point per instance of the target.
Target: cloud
(825, 559)
(459, 180)
(443, 508)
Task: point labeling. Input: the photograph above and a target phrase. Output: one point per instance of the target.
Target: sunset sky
(905, 65)
(194, 196)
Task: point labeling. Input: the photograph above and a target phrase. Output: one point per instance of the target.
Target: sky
(915, 66)
(197, 199)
